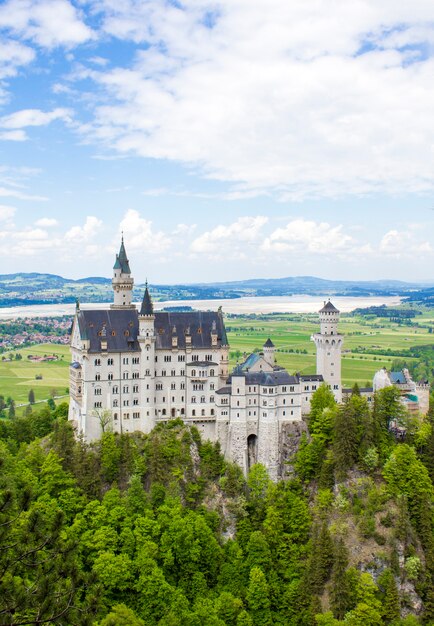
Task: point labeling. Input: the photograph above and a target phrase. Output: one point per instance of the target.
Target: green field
(293, 332)
(288, 332)
(18, 377)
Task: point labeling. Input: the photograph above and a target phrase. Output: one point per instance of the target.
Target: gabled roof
(118, 327)
(397, 377)
(328, 308)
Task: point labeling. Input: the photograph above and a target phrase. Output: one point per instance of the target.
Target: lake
(245, 305)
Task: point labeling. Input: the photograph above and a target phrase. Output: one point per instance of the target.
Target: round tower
(329, 348)
(269, 352)
(122, 281)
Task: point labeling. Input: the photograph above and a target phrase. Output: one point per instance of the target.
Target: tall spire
(122, 262)
(147, 307)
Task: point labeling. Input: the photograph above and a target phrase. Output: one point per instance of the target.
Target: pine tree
(31, 397)
(345, 442)
(390, 597)
(340, 592)
(258, 598)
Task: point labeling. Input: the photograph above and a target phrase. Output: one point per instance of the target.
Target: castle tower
(328, 349)
(146, 339)
(268, 349)
(122, 281)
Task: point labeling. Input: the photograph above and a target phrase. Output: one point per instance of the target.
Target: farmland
(370, 343)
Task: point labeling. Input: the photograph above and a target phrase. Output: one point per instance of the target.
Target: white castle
(132, 369)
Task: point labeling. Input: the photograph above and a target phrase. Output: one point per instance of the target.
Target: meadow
(290, 333)
(18, 377)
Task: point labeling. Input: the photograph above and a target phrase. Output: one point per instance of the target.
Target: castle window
(212, 411)
(284, 413)
(193, 373)
(115, 416)
(292, 400)
(136, 360)
(199, 331)
(109, 361)
(97, 376)
(203, 399)
(98, 391)
(115, 389)
(193, 399)
(126, 416)
(110, 376)
(97, 405)
(211, 398)
(159, 386)
(283, 389)
(136, 401)
(135, 388)
(115, 403)
(173, 386)
(161, 331)
(97, 362)
(135, 374)
(195, 357)
(125, 360)
(181, 358)
(125, 375)
(126, 403)
(291, 389)
(167, 359)
(173, 373)
(284, 401)
(163, 372)
(203, 412)
(136, 415)
(193, 413)
(182, 386)
(148, 373)
(113, 333)
(126, 389)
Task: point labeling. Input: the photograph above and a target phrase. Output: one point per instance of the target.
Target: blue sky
(226, 139)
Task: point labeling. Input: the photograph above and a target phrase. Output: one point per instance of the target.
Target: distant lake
(246, 305)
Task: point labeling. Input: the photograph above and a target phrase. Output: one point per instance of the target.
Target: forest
(159, 529)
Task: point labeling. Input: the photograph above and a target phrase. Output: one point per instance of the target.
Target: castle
(134, 368)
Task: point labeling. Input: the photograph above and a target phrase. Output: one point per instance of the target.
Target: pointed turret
(147, 307)
(122, 281)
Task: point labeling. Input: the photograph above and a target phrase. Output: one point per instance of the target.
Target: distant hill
(34, 288)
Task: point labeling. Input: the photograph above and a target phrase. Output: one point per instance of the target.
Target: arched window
(212, 372)
(97, 361)
(193, 372)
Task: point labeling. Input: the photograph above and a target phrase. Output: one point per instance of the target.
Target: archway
(252, 450)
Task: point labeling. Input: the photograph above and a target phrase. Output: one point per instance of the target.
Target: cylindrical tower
(329, 348)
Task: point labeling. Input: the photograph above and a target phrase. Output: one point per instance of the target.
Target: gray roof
(120, 328)
(116, 326)
(224, 391)
(311, 378)
(122, 262)
(349, 390)
(268, 343)
(328, 307)
(147, 307)
(277, 377)
(397, 377)
(198, 324)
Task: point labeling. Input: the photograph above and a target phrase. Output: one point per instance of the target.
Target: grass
(18, 377)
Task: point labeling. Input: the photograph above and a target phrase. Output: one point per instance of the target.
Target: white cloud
(13, 135)
(80, 234)
(401, 244)
(140, 235)
(309, 237)
(49, 23)
(301, 99)
(234, 240)
(33, 117)
(46, 222)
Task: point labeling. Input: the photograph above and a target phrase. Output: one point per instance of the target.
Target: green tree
(31, 397)
(340, 592)
(121, 615)
(322, 399)
(258, 598)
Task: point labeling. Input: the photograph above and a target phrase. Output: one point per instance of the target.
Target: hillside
(34, 288)
(159, 530)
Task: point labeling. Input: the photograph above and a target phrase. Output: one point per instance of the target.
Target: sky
(226, 139)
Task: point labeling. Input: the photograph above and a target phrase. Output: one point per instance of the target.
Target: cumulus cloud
(401, 244)
(299, 99)
(139, 233)
(48, 23)
(80, 234)
(308, 236)
(234, 240)
(13, 135)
